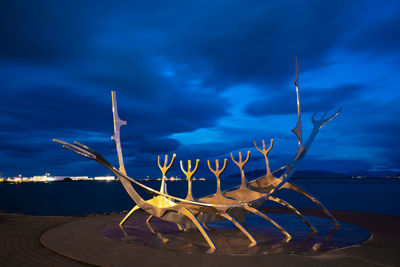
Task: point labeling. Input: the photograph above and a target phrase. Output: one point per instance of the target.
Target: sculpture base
(229, 240)
(82, 240)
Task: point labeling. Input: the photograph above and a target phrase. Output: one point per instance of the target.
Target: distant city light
(48, 178)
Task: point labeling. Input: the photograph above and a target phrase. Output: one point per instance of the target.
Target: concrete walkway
(20, 245)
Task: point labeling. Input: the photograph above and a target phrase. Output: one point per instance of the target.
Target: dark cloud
(259, 44)
(312, 100)
(41, 109)
(381, 37)
(47, 113)
(19, 150)
(153, 147)
(173, 65)
(46, 31)
(221, 45)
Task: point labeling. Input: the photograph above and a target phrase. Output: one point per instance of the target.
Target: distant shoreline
(203, 179)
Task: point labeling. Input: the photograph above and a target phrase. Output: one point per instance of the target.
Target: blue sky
(197, 78)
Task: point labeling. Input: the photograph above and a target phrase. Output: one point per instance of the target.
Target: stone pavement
(24, 240)
(20, 244)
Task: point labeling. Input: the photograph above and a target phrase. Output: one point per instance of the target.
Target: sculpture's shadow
(164, 235)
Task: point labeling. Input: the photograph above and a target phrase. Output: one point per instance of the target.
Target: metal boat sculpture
(232, 204)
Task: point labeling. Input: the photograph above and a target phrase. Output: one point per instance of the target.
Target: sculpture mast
(116, 137)
(298, 130)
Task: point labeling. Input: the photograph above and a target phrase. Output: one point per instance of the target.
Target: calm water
(78, 198)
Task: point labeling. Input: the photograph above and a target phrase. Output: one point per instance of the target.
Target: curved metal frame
(233, 205)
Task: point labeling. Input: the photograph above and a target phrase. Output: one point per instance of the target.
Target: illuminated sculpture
(232, 204)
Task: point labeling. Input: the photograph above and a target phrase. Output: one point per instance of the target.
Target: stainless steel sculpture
(233, 204)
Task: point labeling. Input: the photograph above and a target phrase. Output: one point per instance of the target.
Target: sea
(375, 195)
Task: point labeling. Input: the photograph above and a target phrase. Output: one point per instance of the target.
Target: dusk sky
(199, 79)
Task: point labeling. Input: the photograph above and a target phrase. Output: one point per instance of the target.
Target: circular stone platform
(84, 240)
(230, 241)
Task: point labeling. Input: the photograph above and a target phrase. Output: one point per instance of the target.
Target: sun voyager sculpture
(233, 204)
